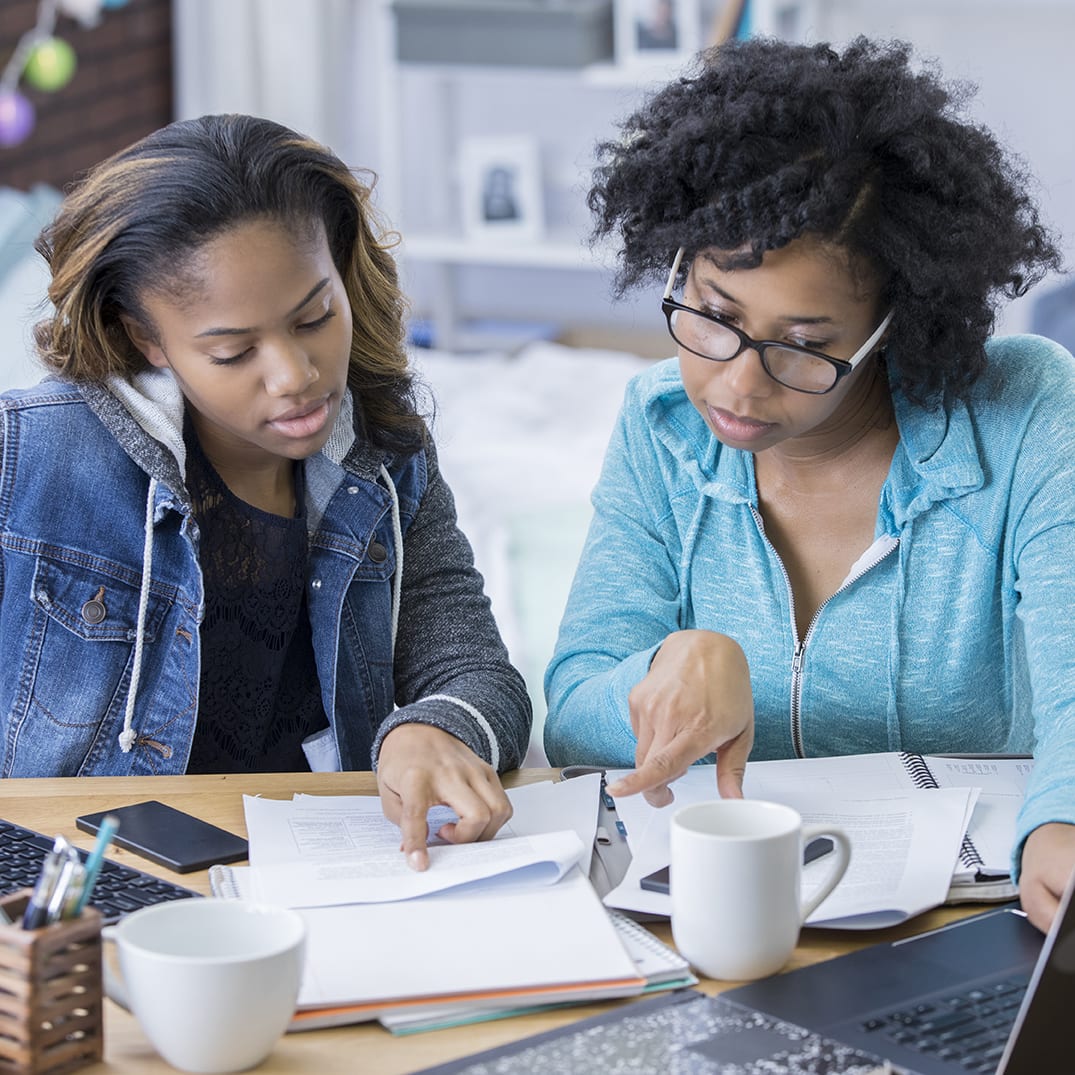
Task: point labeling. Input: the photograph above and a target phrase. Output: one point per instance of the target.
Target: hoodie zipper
(799, 657)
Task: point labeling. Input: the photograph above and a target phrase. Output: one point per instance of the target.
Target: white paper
(903, 845)
(317, 851)
(1002, 783)
(462, 946)
(902, 849)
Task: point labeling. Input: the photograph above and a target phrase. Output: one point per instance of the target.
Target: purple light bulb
(16, 118)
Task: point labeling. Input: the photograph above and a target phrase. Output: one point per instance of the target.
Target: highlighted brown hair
(135, 221)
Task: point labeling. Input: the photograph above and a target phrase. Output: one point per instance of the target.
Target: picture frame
(501, 188)
(656, 32)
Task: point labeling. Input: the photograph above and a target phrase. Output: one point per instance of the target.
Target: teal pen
(108, 828)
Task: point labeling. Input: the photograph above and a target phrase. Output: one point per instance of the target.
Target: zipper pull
(797, 660)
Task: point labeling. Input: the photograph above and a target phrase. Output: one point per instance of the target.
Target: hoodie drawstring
(128, 736)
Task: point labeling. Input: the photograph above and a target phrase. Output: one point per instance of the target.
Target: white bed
(521, 438)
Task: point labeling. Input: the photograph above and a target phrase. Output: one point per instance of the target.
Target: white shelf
(550, 253)
(639, 75)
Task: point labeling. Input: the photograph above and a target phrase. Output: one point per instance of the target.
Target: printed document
(903, 845)
(321, 851)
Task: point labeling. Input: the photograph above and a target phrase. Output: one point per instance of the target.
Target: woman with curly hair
(841, 521)
(226, 545)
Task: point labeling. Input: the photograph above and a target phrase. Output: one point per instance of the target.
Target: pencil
(109, 825)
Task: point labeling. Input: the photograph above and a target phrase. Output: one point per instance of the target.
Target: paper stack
(489, 928)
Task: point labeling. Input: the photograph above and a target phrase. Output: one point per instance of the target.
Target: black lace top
(259, 695)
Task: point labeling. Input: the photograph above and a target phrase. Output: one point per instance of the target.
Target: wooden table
(51, 805)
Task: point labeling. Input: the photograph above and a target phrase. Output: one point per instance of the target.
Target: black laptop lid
(1041, 1040)
(829, 996)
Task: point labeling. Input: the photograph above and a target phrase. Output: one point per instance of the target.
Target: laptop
(867, 1013)
(929, 1004)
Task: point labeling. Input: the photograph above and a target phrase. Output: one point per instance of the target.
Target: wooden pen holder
(51, 1010)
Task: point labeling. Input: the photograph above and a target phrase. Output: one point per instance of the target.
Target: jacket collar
(937, 458)
(724, 473)
(145, 415)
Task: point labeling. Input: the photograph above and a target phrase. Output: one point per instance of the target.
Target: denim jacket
(101, 592)
(953, 632)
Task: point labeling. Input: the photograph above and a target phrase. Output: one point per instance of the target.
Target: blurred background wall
(516, 333)
(337, 69)
(121, 88)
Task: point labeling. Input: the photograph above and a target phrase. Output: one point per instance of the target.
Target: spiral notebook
(979, 871)
(984, 868)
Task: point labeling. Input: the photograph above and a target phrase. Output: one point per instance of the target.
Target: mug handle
(115, 988)
(841, 846)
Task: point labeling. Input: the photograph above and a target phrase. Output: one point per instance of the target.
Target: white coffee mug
(212, 982)
(735, 884)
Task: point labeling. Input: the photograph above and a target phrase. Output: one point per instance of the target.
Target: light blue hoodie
(955, 632)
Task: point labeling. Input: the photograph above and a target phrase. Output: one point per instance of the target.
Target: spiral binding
(918, 770)
(224, 882)
(922, 777)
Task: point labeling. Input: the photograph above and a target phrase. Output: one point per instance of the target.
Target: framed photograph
(500, 181)
(656, 31)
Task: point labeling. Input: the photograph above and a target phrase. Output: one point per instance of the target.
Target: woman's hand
(421, 766)
(1048, 859)
(695, 699)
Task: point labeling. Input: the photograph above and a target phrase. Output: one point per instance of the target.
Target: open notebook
(984, 868)
(911, 792)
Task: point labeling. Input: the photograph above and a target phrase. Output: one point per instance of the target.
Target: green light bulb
(51, 64)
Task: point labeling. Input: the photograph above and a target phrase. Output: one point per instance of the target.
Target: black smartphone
(169, 837)
(658, 880)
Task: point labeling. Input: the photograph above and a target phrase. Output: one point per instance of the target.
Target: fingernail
(614, 789)
(417, 860)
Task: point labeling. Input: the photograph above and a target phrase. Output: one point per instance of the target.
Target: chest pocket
(77, 663)
(93, 605)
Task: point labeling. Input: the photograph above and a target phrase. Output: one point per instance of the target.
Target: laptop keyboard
(118, 891)
(970, 1028)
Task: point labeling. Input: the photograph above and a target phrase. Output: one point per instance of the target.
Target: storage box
(51, 1010)
(533, 33)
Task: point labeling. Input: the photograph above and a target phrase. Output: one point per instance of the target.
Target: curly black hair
(766, 141)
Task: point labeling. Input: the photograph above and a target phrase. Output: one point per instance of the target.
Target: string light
(45, 61)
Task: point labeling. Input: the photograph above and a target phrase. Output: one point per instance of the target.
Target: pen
(37, 909)
(67, 881)
(109, 825)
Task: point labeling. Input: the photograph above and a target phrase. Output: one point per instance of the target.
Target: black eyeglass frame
(841, 366)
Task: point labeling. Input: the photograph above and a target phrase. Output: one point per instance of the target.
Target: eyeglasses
(799, 368)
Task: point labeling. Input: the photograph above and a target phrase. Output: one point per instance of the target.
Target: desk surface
(51, 805)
